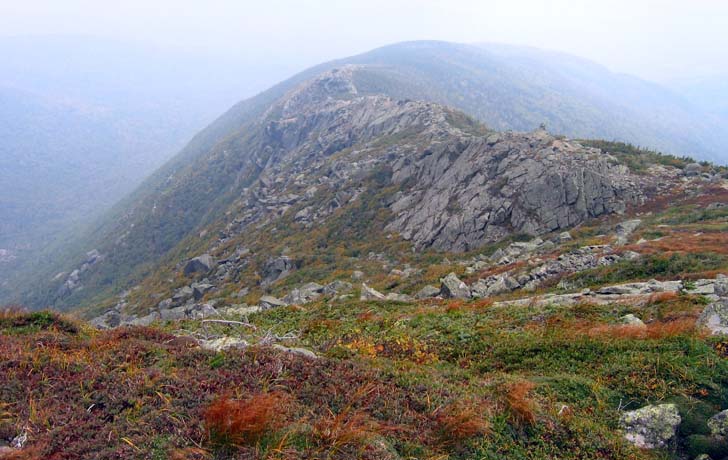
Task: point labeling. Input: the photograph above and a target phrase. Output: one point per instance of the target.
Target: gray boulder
(625, 229)
(199, 290)
(472, 193)
(108, 320)
(715, 318)
(173, 314)
(494, 285)
(165, 304)
(651, 426)
(564, 237)
(399, 297)
(305, 294)
(451, 287)
(145, 320)
(302, 352)
(182, 295)
(368, 293)
(631, 320)
(427, 292)
(276, 268)
(338, 287)
(693, 169)
(268, 301)
(200, 264)
(202, 311)
(222, 343)
(718, 424)
(720, 287)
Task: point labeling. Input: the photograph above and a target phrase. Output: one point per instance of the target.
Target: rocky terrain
(353, 275)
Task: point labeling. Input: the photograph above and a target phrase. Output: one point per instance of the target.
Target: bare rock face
(473, 191)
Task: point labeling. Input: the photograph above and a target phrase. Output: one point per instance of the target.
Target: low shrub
(242, 422)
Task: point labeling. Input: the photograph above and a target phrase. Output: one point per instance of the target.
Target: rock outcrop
(200, 264)
(651, 426)
(470, 191)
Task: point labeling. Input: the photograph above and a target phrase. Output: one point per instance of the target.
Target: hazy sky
(655, 39)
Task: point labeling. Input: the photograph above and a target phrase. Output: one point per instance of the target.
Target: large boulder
(693, 169)
(651, 427)
(182, 295)
(625, 229)
(200, 264)
(451, 287)
(718, 424)
(276, 268)
(199, 290)
(715, 318)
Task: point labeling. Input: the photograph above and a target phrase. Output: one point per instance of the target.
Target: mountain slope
(83, 121)
(325, 148)
(193, 190)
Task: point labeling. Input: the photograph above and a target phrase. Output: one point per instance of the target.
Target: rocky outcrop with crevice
(479, 190)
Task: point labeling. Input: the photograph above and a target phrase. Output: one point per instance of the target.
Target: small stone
(337, 287)
(564, 237)
(303, 352)
(368, 293)
(223, 343)
(631, 320)
(427, 292)
(396, 297)
(268, 301)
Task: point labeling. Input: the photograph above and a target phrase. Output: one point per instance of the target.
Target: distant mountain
(709, 93)
(84, 120)
(507, 88)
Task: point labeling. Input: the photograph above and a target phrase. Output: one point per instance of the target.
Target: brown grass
(243, 422)
(346, 428)
(462, 421)
(521, 407)
(685, 242)
(654, 331)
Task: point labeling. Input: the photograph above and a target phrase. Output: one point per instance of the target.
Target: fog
(660, 40)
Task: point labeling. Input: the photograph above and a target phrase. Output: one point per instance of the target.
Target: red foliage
(243, 422)
(343, 429)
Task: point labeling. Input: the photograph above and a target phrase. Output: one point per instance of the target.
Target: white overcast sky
(655, 39)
